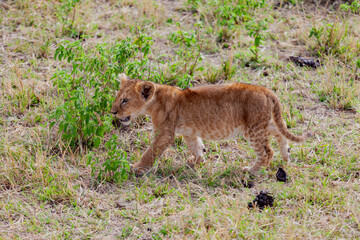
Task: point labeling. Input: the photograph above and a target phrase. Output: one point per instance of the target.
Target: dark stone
(281, 175)
(309, 62)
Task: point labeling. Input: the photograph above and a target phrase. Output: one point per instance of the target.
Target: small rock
(262, 200)
(281, 175)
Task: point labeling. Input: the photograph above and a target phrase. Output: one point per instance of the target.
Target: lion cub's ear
(123, 78)
(146, 89)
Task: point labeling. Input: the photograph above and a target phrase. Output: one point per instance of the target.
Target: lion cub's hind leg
(259, 141)
(197, 148)
(269, 153)
(282, 141)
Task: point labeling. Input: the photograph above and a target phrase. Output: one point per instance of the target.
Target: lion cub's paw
(138, 169)
(193, 162)
(249, 170)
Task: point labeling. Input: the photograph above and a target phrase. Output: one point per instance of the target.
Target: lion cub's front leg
(161, 141)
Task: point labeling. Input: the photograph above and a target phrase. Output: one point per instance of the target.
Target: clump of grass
(18, 96)
(333, 38)
(218, 74)
(142, 13)
(21, 167)
(338, 88)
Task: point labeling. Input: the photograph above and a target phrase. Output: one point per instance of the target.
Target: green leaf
(52, 124)
(100, 131)
(97, 141)
(257, 41)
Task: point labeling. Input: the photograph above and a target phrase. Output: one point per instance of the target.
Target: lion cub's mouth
(125, 119)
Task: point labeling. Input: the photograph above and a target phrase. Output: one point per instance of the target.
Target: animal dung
(300, 61)
(262, 200)
(281, 175)
(247, 184)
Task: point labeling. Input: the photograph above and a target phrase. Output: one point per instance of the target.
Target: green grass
(51, 186)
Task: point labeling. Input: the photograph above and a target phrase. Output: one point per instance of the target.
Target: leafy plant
(235, 14)
(317, 32)
(188, 51)
(115, 168)
(255, 28)
(227, 12)
(354, 7)
(88, 86)
(63, 14)
(330, 38)
(228, 69)
(232, 13)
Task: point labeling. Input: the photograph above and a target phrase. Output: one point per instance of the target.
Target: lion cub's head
(132, 98)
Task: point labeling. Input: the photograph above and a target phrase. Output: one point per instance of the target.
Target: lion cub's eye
(124, 101)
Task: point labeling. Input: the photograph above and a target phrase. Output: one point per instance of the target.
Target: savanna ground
(70, 179)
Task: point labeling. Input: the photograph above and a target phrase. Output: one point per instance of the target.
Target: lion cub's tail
(276, 113)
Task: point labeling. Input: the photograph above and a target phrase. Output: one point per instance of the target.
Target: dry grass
(46, 188)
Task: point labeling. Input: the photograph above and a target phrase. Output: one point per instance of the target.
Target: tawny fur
(213, 112)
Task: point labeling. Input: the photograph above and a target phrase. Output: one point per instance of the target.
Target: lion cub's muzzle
(125, 119)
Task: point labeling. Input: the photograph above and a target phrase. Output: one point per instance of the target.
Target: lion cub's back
(220, 111)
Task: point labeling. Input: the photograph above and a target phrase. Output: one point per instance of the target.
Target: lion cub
(213, 112)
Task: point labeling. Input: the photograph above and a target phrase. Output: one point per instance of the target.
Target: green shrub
(330, 38)
(88, 86)
(188, 55)
(256, 28)
(228, 12)
(354, 7)
(66, 15)
(235, 14)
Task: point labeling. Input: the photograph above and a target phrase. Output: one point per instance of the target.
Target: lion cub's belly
(210, 132)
